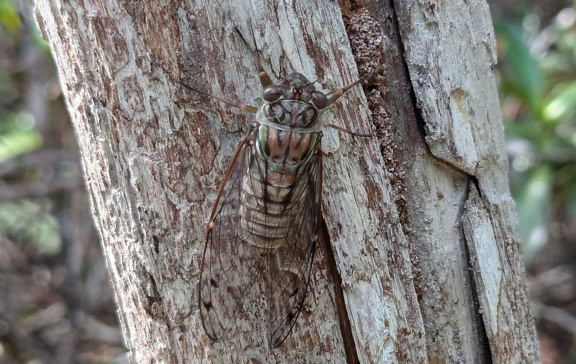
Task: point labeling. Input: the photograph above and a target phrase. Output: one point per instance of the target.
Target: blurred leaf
(39, 41)
(526, 76)
(528, 129)
(18, 136)
(533, 200)
(27, 222)
(8, 92)
(9, 17)
(571, 202)
(16, 143)
(562, 104)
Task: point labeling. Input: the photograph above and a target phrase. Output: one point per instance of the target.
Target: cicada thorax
(288, 131)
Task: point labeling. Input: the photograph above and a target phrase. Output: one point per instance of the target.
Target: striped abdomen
(272, 190)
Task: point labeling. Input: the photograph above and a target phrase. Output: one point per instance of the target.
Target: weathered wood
(430, 195)
(447, 49)
(490, 274)
(154, 155)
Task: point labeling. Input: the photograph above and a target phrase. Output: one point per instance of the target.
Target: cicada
(264, 225)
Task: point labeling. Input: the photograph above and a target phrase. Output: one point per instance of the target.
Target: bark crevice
(483, 349)
(340, 302)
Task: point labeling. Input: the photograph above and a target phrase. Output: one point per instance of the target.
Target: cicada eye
(319, 99)
(272, 93)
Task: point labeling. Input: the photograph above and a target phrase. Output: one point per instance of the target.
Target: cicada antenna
(310, 83)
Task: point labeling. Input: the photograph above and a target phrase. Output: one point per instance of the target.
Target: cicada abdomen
(265, 221)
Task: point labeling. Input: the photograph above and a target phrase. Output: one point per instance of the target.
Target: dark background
(56, 304)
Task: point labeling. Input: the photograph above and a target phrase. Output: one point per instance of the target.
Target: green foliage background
(538, 96)
(29, 221)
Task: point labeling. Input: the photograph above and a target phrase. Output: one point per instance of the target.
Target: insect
(265, 222)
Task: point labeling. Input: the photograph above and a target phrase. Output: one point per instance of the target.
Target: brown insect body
(288, 138)
(266, 217)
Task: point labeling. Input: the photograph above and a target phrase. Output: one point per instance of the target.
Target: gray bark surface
(422, 261)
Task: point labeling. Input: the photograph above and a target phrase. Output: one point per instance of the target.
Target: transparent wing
(229, 265)
(290, 265)
(250, 239)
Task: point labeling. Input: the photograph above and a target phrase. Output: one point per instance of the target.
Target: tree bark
(422, 259)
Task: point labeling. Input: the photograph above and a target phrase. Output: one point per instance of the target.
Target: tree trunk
(422, 259)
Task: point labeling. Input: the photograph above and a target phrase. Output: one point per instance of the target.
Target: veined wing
(263, 242)
(290, 265)
(229, 265)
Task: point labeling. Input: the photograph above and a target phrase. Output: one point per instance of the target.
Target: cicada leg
(335, 95)
(347, 131)
(243, 107)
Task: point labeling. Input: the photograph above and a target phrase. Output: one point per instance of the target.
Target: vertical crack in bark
(375, 46)
(474, 180)
(484, 345)
(417, 111)
(384, 12)
(343, 319)
(482, 335)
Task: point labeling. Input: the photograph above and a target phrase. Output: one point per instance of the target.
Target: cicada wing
(235, 257)
(229, 265)
(290, 265)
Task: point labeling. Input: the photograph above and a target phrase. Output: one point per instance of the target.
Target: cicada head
(295, 87)
(294, 101)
